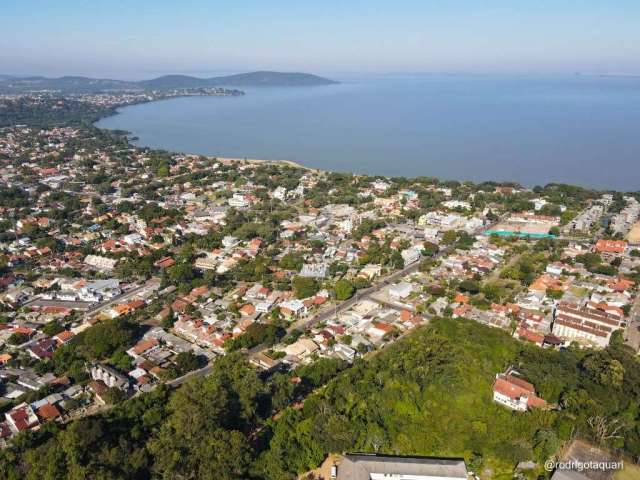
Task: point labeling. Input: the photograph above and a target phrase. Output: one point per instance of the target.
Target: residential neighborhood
(126, 271)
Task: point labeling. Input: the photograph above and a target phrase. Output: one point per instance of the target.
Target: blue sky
(142, 38)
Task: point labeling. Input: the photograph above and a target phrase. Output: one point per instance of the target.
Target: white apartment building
(585, 325)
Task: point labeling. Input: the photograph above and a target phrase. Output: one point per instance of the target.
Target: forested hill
(253, 79)
(427, 394)
(48, 112)
(78, 84)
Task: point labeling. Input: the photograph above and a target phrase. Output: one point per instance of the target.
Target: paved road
(323, 315)
(632, 335)
(368, 292)
(394, 306)
(149, 284)
(326, 313)
(202, 372)
(333, 310)
(43, 302)
(363, 294)
(91, 308)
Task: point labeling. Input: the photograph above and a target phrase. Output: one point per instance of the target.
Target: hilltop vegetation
(427, 394)
(47, 112)
(431, 394)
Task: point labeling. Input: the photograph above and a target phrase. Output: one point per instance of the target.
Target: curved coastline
(440, 131)
(117, 110)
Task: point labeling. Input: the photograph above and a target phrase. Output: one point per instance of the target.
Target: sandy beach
(289, 163)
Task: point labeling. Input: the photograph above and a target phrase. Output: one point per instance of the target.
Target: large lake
(581, 130)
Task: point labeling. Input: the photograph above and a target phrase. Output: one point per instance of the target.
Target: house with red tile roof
(63, 337)
(247, 310)
(409, 319)
(460, 298)
(21, 418)
(548, 282)
(143, 346)
(48, 412)
(164, 262)
(620, 284)
(380, 329)
(43, 349)
(462, 310)
(504, 310)
(611, 246)
(125, 308)
(515, 393)
(179, 305)
(198, 292)
(527, 335)
(5, 430)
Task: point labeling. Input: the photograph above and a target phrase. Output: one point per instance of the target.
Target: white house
(99, 290)
(132, 239)
(293, 307)
(400, 290)
(101, 263)
(302, 348)
(314, 270)
(230, 242)
(280, 193)
(110, 377)
(238, 201)
(410, 255)
(554, 269)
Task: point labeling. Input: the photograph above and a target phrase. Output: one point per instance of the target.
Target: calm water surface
(581, 130)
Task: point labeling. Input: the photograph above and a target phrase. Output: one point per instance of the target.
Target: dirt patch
(634, 233)
(323, 472)
(583, 454)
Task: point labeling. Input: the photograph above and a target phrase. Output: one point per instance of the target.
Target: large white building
(101, 263)
(314, 270)
(515, 393)
(410, 255)
(238, 201)
(111, 377)
(280, 193)
(378, 467)
(206, 263)
(400, 290)
(100, 290)
(587, 325)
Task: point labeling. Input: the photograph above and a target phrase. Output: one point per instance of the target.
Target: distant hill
(253, 79)
(77, 84)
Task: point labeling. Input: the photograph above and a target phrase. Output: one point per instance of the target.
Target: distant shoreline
(446, 138)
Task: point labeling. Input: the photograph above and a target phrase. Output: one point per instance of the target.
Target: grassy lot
(629, 472)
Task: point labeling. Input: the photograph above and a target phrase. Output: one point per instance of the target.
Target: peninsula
(76, 84)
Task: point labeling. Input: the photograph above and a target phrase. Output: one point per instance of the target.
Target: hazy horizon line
(348, 73)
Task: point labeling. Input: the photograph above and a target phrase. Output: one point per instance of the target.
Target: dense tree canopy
(426, 394)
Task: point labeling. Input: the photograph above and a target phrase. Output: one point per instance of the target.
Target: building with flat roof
(379, 467)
